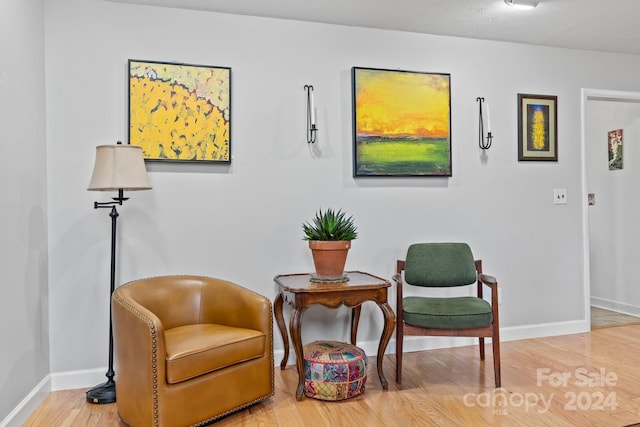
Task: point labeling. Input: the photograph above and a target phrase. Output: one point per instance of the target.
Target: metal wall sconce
(481, 141)
(311, 116)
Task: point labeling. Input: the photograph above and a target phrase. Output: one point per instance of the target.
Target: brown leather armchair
(189, 349)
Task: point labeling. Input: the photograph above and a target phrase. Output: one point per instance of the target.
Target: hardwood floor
(602, 318)
(590, 379)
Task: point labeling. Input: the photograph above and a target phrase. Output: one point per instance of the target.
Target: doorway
(612, 207)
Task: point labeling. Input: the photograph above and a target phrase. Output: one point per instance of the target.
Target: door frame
(586, 96)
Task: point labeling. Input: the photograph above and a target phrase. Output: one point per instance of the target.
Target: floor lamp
(117, 168)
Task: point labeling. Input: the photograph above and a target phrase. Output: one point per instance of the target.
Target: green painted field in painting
(403, 157)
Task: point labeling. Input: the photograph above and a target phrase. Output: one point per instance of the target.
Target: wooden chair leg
(496, 360)
(481, 340)
(399, 342)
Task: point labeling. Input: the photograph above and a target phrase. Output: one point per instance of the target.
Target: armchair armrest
(397, 277)
(488, 280)
(139, 338)
(492, 283)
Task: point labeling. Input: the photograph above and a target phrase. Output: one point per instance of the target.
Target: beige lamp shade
(119, 167)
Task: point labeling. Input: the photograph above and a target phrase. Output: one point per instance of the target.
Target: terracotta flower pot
(329, 257)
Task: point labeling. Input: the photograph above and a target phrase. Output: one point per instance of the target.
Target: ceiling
(601, 25)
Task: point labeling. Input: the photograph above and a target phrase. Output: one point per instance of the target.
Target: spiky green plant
(330, 225)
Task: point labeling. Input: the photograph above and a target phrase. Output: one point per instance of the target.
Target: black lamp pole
(106, 392)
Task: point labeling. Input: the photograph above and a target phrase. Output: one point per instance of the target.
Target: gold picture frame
(537, 127)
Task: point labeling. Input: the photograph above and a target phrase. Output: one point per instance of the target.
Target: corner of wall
(28, 405)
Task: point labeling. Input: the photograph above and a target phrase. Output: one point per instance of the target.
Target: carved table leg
(355, 320)
(296, 339)
(277, 311)
(389, 323)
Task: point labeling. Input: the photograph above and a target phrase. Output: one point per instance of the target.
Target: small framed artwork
(180, 112)
(537, 127)
(401, 123)
(615, 149)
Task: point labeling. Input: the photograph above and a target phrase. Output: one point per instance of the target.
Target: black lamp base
(103, 393)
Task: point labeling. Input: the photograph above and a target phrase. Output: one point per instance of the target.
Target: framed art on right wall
(537, 127)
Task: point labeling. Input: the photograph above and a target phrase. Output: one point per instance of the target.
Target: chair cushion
(439, 264)
(198, 349)
(447, 313)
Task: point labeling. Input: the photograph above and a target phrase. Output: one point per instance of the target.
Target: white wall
(613, 219)
(24, 353)
(243, 222)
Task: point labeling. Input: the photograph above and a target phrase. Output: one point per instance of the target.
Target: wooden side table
(300, 292)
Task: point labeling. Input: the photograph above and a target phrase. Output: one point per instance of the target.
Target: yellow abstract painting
(180, 112)
(402, 123)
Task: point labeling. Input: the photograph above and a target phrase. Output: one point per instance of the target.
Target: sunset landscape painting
(401, 123)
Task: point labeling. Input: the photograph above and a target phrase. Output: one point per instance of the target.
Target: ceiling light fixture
(522, 4)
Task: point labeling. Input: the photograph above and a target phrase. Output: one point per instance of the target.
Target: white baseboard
(52, 382)
(545, 330)
(78, 379)
(25, 408)
(615, 306)
(414, 343)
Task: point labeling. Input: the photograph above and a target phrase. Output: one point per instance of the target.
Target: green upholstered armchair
(441, 265)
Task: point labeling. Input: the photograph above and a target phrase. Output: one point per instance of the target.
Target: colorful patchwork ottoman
(334, 370)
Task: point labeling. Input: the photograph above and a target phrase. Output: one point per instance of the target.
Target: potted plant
(330, 233)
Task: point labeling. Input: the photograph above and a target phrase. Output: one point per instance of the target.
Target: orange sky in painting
(402, 103)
